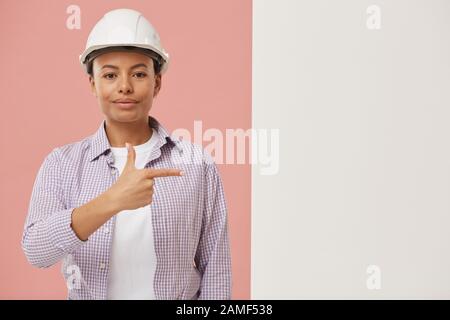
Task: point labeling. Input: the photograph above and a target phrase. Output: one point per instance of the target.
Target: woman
(132, 212)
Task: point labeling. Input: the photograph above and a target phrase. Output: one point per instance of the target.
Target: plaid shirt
(189, 217)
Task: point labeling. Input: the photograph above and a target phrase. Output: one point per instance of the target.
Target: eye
(107, 76)
(140, 74)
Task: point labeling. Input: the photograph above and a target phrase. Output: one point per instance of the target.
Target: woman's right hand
(134, 188)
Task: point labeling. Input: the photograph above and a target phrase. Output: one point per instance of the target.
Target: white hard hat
(124, 28)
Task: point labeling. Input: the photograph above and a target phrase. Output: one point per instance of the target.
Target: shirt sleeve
(213, 257)
(48, 235)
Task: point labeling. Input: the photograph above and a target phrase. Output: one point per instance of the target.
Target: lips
(125, 103)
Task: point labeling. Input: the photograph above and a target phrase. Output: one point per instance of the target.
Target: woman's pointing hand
(134, 188)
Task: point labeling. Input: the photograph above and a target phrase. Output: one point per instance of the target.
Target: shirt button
(106, 230)
(102, 265)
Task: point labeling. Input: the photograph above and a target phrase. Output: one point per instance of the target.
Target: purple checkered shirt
(189, 216)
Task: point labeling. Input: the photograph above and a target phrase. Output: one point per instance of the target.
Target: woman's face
(124, 75)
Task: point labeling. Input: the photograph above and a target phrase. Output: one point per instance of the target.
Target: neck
(135, 133)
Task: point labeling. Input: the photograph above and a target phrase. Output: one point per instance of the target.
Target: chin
(127, 116)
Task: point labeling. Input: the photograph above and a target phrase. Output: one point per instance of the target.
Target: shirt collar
(100, 143)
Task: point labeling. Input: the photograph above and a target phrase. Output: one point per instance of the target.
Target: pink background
(46, 102)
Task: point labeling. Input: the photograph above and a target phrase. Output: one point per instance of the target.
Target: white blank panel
(364, 169)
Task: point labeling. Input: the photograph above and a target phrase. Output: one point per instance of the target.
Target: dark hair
(157, 60)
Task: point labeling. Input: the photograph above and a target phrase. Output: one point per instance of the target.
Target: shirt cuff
(61, 233)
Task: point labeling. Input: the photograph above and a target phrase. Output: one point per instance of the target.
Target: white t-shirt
(133, 258)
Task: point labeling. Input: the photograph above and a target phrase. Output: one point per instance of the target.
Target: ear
(157, 85)
(92, 83)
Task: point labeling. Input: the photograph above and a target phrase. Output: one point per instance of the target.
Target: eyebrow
(133, 67)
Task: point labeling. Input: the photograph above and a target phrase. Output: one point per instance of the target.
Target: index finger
(153, 173)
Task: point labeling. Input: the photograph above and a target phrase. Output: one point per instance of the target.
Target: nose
(125, 85)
